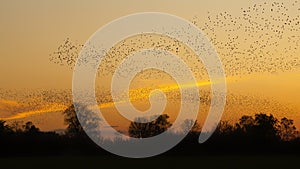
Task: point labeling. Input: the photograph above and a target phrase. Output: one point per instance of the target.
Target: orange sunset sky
(258, 43)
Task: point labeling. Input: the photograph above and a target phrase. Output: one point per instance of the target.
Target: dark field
(259, 142)
(211, 161)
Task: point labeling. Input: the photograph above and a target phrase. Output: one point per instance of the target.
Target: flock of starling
(261, 38)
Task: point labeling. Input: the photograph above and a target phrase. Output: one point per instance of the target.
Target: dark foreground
(185, 162)
(254, 142)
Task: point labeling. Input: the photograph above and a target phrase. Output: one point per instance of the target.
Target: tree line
(261, 133)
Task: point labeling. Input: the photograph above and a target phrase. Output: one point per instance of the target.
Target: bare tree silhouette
(89, 123)
(71, 120)
(287, 130)
(149, 129)
(261, 128)
(266, 127)
(189, 125)
(224, 128)
(245, 123)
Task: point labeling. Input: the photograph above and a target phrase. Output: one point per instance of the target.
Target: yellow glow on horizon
(21, 115)
(137, 94)
(9, 102)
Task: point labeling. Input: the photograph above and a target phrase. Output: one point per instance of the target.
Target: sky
(257, 41)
